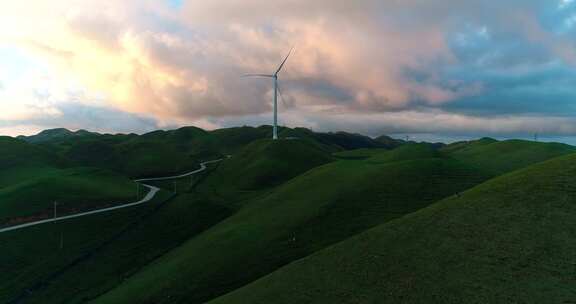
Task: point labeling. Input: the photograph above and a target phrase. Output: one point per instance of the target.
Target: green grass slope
(460, 145)
(316, 209)
(509, 240)
(359, 153)
(264, 164)
(504, 156)
(233, 139)
(74, 189)
(31, 255)
(406, 152)
(268, 163)
(15, 152)
(95, 153)
(175, 151)
(32, 178)
(57, 135)
(131, 238)
(149, 158)
(17, 155)
(153, 154)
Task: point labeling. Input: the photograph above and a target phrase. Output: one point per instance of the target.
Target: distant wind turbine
(276, 90)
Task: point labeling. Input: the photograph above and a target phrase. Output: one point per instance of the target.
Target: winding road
(149, 196)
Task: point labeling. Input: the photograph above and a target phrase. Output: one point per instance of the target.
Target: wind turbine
(275, 79)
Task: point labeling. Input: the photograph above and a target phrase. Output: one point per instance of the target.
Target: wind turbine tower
(275, 79)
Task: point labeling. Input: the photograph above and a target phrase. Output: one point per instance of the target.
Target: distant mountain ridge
(343, 140)
(163, 152)
(56, 134)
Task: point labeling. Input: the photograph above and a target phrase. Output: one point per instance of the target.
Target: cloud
(76, 116)
(393, 64)
(545, 90)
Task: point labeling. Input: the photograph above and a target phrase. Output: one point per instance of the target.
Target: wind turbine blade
(282, 96)
(283, 62)
(258, 75)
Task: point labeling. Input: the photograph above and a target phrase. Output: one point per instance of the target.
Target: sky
(435, 69)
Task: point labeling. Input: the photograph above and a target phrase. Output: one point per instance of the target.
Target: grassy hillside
(152, 154)
(323, 206)
(19, 161)
(232, 139)
(173, 151)
(359, 153)
(509, 240)
(95, 153)
(57, 135)
(461, 145)
(283, 201)
(267, 163)
(160, 231)
(31, 254)
(73, 189)
(32, 178)
(17, 153)
(260, 166)
(406, 152)
(504, 156)
(148, 158)
(125, 241)
(389, 142)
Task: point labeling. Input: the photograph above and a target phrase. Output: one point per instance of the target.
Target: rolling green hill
(175, 151)
(312, 211)
(325, 205)
(95, 153)
(73, 189)
(148, 158)
(152, 154)
(57, 135)
(272, 203)
(234, 139)
(503, 156)
(406, 152)
(509, 240)
(33, 255)
(266, 163)
(359, 153)
(32, 178)
(17, 153)
(99, 251)
(389, 142)
(19, 161)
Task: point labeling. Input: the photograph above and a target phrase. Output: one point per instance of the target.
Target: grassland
(275, 205)
(72, 189)
(167, 152)
(16, 153)
(30, 255)
(509, 240)
(33, 178)
(358, 153)
(500, 157)
(325, 205)
(131, 239)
